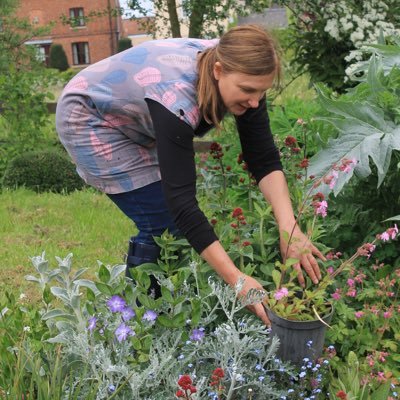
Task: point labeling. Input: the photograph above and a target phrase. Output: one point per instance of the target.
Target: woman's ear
(217, 70)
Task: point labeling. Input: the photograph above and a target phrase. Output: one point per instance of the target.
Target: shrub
(58, 58)
(42, 171)
(124, 44)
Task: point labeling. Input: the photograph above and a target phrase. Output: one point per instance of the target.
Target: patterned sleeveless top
(103, 120)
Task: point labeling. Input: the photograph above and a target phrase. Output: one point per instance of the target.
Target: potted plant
(300, 316)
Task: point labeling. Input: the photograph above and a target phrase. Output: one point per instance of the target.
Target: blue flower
(181, 357)
(116, 304)
(123, 331)
(127, 313)
(302, 374)
(261, 378)
(111, 388)
(149, 316)
(309, 343)
(306, 359)
(197, 335)
(92, 324)
(258, 367)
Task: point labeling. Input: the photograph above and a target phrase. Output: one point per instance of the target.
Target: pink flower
(384, 237)
(359, 314)
(281, 293)
(335, 176)
(337, 294)
(350, 282)
(387, 314)
(352, 292)
(330, 270)
(321, 208)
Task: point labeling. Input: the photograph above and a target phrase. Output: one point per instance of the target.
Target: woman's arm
(275, 190)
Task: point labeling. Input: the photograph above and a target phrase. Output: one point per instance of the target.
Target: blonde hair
(246, 49)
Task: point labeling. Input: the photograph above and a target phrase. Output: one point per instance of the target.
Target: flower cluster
(117, 305)
(186, 388)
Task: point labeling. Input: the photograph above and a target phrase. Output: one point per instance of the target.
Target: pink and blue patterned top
(103, 120)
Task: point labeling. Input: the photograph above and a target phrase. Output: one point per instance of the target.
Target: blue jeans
(147, 208)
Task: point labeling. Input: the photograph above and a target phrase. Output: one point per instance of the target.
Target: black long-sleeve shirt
(174, 140)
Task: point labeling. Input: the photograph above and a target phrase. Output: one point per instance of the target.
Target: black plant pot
(298, 339)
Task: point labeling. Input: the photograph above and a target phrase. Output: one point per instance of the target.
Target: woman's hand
(257, 309)
(301, 248)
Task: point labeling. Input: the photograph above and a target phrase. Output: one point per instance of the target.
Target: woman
(128, 123)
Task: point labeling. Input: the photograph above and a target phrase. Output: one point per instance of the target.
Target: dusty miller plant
(147, 358)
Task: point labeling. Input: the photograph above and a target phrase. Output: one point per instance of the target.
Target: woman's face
(239, 91)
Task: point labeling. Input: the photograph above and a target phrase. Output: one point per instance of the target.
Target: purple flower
(127, 313)
(123, 331)
(149, 316)
(197, 335)
(116, 304)
(92, 323)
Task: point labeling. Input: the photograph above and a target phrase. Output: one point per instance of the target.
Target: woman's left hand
(301, 248)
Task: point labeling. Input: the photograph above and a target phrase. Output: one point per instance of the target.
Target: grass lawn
(84, 223)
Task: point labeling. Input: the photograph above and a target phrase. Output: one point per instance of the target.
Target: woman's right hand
(257, 309)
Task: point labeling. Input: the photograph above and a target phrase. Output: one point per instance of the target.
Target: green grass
(84, 223)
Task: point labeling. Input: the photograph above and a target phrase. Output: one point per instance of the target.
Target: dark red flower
(290, 141)
(240, 158)
(246, 243)
(241, 180)
(304, 163)
(228, 167)
(318, 196)
(213, 221)
(237, 212)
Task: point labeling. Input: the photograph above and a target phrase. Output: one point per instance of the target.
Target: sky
(145, 3)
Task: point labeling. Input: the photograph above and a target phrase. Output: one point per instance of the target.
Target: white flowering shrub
(328, 36)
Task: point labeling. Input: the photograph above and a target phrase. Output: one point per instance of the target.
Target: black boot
(140, 253)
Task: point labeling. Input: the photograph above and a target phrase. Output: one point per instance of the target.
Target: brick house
(91, 39)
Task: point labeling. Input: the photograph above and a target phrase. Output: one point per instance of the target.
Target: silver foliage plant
(227, 338)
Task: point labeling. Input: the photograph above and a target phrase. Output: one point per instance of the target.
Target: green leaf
(196, 311)
(103, 288)
(104, 274)
(166, 294)
(57, 313)
(276, 277)
(364, 134)
(165, 321)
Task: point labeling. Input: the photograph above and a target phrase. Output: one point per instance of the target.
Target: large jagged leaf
(364, 134)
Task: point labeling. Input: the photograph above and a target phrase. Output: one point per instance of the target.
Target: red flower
(246, 243)
(341, 394)
(290, 141)
(318, 196)
(304, 163)
(237, 212)
(295, 150)
(218, 372)
(185, 382)
(180, 393)
(214, 221)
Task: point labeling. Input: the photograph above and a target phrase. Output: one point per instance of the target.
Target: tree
(58, 58)
(124, 44)
(205, 17)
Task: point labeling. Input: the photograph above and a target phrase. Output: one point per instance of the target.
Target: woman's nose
(253, 102)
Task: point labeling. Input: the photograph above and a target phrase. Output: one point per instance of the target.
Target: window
(77, 17)
(80, 53)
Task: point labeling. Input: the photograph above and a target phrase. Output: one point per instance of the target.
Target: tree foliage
(124, 44)
(58, 58)
(24, 83)
(205, 18)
